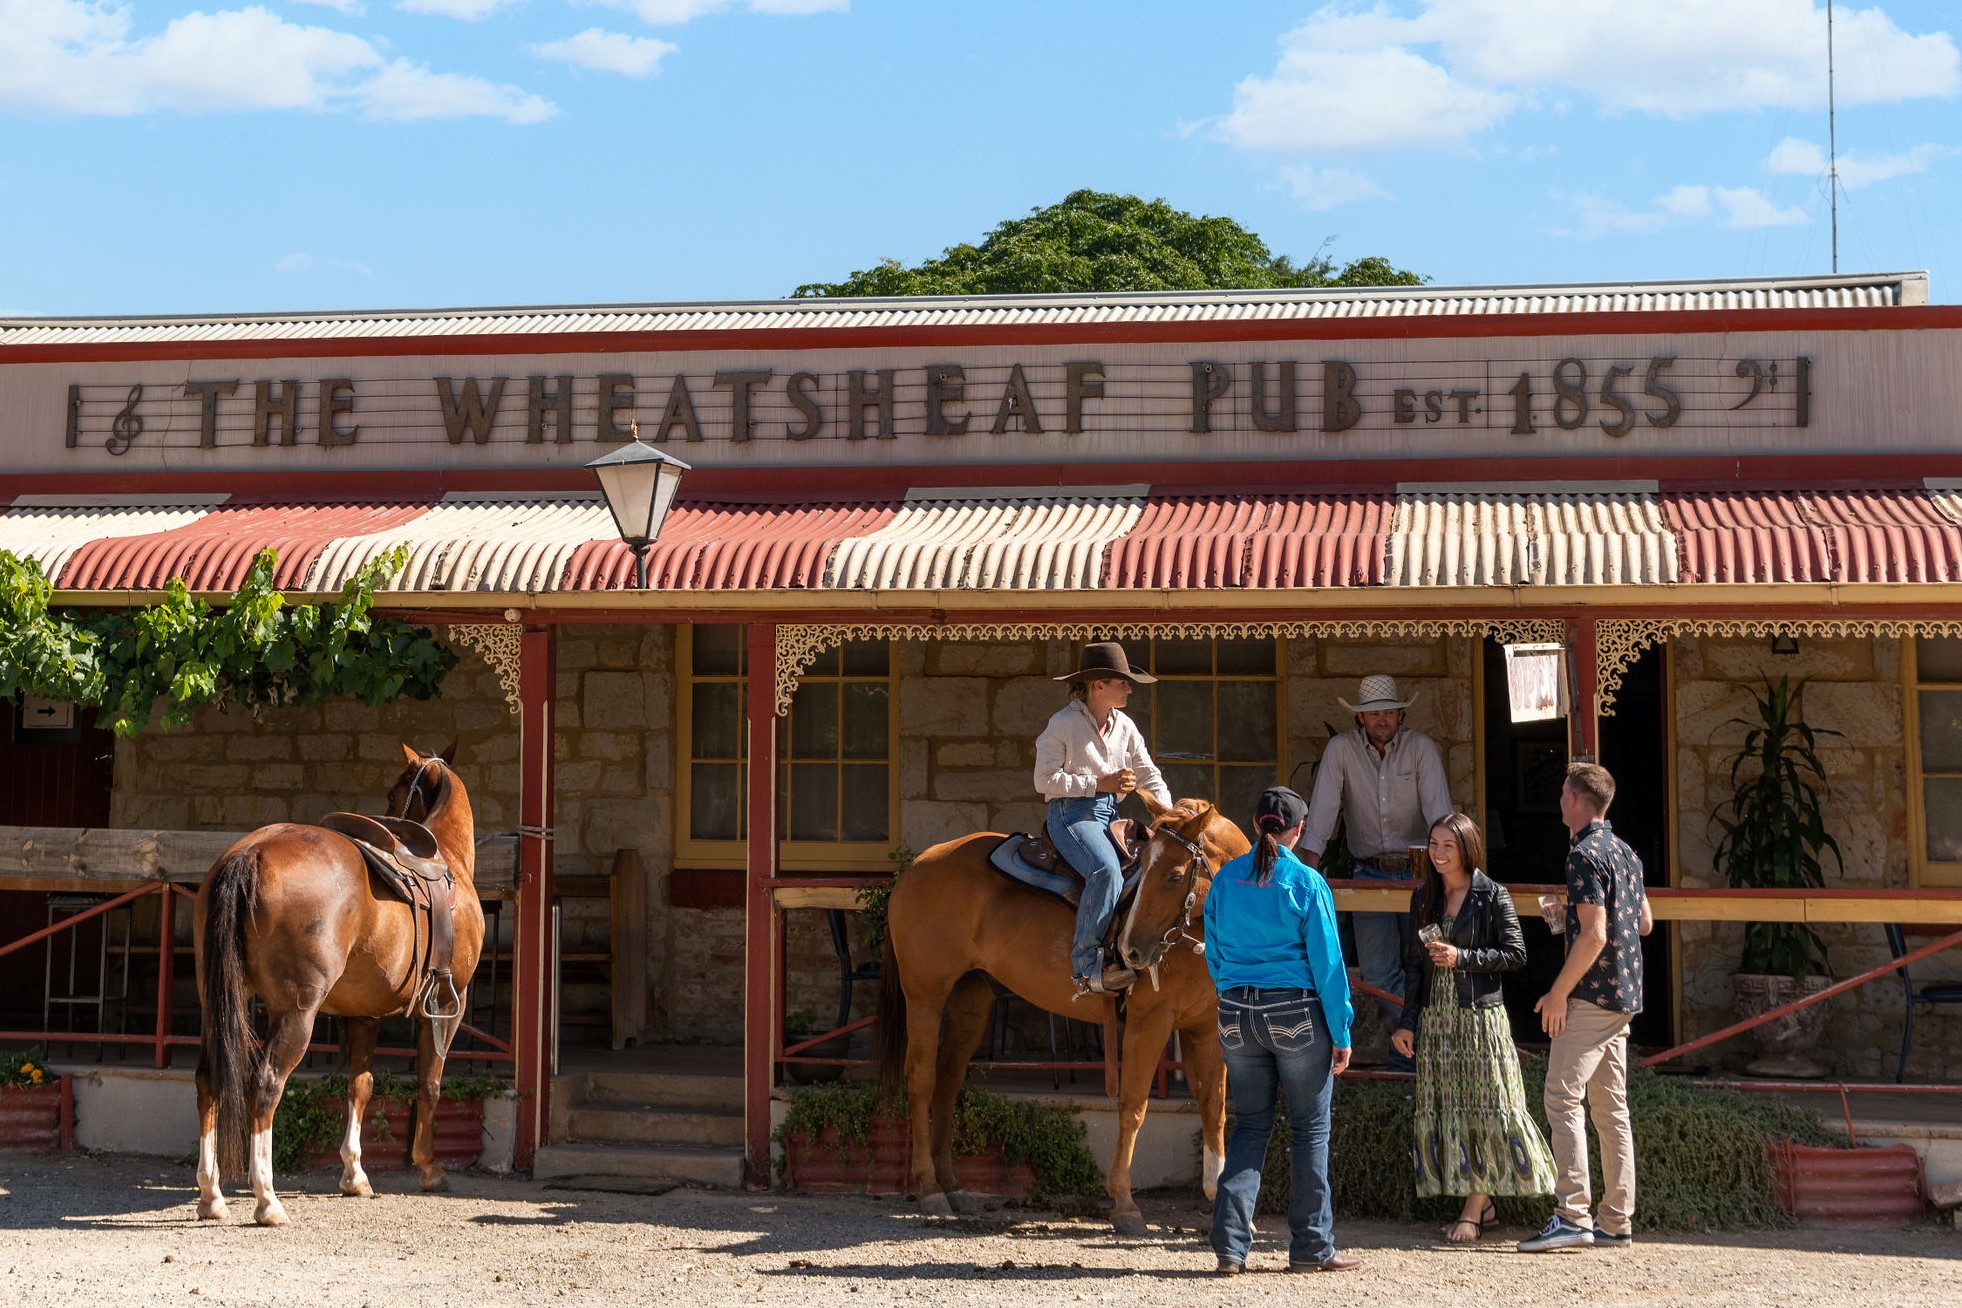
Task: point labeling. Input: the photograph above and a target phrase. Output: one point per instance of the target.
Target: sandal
(1451, 1235)
(1490, 1217)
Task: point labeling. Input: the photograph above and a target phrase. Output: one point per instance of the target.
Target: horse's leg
(286, 1045)
(211, 1197)
(1145, 1033)
(429, 1090)
(967, 1022)
(362, 1032)
(1205, 1073)
(924, 1008)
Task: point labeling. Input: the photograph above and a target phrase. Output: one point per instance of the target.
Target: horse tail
(231, 1057)
(892, 1021)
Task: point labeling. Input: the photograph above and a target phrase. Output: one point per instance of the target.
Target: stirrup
(1108, 981)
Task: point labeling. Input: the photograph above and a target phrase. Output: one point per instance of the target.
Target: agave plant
(1774, 828)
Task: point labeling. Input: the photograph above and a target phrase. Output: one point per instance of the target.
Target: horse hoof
(271, 1214)
(358, 1189)
(1131, 1224)
(211, 1210)
(435, 1181)
(937, 1205)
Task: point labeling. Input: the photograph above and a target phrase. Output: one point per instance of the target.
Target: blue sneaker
(1603, 1240)
(1559, 1233)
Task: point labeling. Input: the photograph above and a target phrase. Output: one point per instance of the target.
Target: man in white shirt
(1387, 784)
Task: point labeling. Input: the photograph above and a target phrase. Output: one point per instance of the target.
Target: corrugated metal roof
(215, 550)
(1878, 290)
(1494, 539)
(1030, 542)
(1248, 540)
(477, 542)
(1847, 536)
(733, 546)
(52, 535)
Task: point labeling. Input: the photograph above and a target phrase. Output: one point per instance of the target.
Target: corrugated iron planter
(824, 1165)
(459, 1136)
(30, 1117)
(1871, 1187)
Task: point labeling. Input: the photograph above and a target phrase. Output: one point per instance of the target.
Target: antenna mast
(1832, 137)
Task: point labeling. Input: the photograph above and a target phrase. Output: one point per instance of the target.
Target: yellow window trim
(1922, 871)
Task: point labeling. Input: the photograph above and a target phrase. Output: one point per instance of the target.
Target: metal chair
(1067, 1038)
(1929, 995)
(848, 975)
(108, 989)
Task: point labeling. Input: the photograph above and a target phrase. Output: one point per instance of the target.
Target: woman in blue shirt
(1284, 1015)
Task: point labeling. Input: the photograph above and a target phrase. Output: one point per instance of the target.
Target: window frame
(1278, 677)
(1922, 871)
(792, 855)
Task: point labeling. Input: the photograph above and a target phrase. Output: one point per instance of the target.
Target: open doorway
(1524, 766)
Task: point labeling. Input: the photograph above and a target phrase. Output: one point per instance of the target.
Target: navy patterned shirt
(1603, 870)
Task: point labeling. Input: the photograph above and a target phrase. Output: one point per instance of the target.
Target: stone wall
(1855, 688)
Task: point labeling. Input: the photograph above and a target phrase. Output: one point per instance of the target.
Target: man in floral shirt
(1587, 1012)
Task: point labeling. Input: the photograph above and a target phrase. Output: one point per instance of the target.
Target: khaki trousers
(1589, 1061)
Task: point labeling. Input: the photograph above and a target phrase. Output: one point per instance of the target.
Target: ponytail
(1270, 841)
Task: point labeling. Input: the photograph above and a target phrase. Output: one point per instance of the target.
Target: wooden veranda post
(759, 911)
(535, 1003)
(1585, 734)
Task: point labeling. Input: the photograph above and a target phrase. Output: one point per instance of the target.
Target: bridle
(1201, 869)
(415, 789)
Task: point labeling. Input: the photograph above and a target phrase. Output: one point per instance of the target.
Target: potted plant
(30, 1103)
(1775, 838)
(312, 1114)
(800, 1024)
(872, 898)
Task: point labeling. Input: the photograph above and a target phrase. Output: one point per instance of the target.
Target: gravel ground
(100, 1231)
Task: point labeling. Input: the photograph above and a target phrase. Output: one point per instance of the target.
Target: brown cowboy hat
(1105, 658)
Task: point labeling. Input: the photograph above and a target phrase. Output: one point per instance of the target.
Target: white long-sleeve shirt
(1387, 802)
(1072, 753)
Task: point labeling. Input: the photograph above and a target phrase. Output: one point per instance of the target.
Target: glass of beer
(1553, 911)
(1420, 861)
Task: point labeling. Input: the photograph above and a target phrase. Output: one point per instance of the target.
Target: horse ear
(449, 753)
(1152, 806)
(410, 754)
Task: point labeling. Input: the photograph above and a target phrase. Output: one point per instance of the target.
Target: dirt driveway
(107, 1231)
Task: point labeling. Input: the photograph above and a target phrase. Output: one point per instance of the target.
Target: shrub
(1699, 1155)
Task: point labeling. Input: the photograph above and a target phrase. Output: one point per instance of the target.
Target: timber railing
(127, 866)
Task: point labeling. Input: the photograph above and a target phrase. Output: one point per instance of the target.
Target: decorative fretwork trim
(800, 645)
(501, 646)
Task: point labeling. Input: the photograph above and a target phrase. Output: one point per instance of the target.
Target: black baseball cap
(1278, 809)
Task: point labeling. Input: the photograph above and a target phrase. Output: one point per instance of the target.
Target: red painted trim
(1202, 331)
(1586, 689)
(694, 887)
(760, 970)
(166, 974)
(535, 998)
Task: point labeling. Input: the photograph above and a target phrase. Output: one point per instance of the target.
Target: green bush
(1700, 1160)
(1049, 1138)
(312, 1114)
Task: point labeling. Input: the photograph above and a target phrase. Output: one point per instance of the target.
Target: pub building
(899, 521)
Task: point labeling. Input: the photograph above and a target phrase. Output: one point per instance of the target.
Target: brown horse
(953, 922)
(288, 914)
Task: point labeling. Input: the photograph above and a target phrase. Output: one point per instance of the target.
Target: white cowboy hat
(1377, 692)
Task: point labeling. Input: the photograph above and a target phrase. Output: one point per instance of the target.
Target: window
(1213, 719)
(1934, 666)
(836, 788)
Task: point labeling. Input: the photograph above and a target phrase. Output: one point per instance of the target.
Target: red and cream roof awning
(1014, 540)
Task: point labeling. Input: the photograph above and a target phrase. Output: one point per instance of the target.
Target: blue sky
(223, 157)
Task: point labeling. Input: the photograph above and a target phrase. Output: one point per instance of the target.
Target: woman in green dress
(1472, 1134)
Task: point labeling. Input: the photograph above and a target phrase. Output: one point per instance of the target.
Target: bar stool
(105, 991)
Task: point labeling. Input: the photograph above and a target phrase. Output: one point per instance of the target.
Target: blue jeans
(1081, 830)
(1381, 939)
(1276, 1038)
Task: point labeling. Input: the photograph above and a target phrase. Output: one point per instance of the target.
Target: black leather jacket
(1486, 933)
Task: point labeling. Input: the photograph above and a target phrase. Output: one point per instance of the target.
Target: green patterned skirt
(1472, 1133)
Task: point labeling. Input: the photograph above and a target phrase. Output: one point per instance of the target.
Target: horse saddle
(407, 863)
(1034, 860)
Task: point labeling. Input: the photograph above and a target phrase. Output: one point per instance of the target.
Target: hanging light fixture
(639, 483)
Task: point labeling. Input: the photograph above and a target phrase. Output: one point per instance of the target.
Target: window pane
(864, 726)
(718, 651)
(1942, 797)
(814, 720)
(1246, 720)
(1138, 709)
(718, 719)
(714, 796)
(826, 665)
(1185, 720)
(1188, 780)
(1175, 658)
(1938, 658)
(1941, 731)
(1239, 788)
(813, 801)
(1246, 658)
(867, 658)
(865, 801)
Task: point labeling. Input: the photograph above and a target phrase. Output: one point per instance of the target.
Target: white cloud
(468, 10)
(350, 8)
(1739, 208)
(305, 263)
(673, 13)
(406, 92)
(609, 52)
(1856, 171)
(1749, 207)
(1316, 189)
(1439, 71)
(82, 57)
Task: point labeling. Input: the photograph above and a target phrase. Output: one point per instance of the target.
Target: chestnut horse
(953, 922)
(288, 914)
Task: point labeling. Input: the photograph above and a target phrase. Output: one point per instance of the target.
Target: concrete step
(686, 1091)
(717, 1167)
(653, 1125)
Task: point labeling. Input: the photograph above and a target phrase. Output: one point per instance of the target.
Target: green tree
(1093, 241)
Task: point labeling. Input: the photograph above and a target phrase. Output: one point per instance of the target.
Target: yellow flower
(37, 1076)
